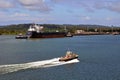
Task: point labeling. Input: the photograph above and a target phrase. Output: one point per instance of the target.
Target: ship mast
(65, 29)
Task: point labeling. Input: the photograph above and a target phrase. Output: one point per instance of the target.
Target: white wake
(31, 65)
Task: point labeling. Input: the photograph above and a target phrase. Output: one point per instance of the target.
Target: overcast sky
(101, 12)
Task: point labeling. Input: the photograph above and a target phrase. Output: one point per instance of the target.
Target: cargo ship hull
(36, 31)
(47, 35)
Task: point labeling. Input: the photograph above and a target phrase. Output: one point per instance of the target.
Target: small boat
(69, 35)
(69, 56)
(20, 36)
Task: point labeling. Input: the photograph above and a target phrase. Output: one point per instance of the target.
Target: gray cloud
(44, 6)
(77, 4)
(109, 5)
(38, 5)
(5, 4)
(30, 2)
(92, 5)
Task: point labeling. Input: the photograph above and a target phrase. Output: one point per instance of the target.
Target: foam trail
(38, 64)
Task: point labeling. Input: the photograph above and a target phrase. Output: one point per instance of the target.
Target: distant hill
(18, 26)
(22, 28)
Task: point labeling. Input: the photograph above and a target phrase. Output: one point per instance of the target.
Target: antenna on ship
(65, 28)
(68, 49)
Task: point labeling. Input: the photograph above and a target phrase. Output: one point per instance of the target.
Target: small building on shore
(79, 31)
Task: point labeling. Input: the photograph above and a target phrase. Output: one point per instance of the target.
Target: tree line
(22, 28)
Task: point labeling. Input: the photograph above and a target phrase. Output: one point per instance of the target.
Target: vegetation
(22, 28)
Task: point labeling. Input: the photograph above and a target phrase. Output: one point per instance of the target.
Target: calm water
(99, 57)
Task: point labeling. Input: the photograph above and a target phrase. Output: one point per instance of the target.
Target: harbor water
(37, 59)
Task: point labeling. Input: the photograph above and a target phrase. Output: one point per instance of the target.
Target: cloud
(91, 5)
(109, 5)
(75, 11)
(5, 4)
(48, 5)
(38, 5)
(16, 16)
(22, 18)
(2, 14)
(115, 7)
(87, 18)
(30, 2)
(77, 4)
(109, 19)
(19, 15)
(34, 5)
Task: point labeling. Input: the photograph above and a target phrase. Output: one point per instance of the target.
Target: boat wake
(32, 65)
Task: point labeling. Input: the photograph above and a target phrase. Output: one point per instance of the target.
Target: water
(37, 59)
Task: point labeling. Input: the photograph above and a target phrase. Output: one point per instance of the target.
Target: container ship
(36, 31)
